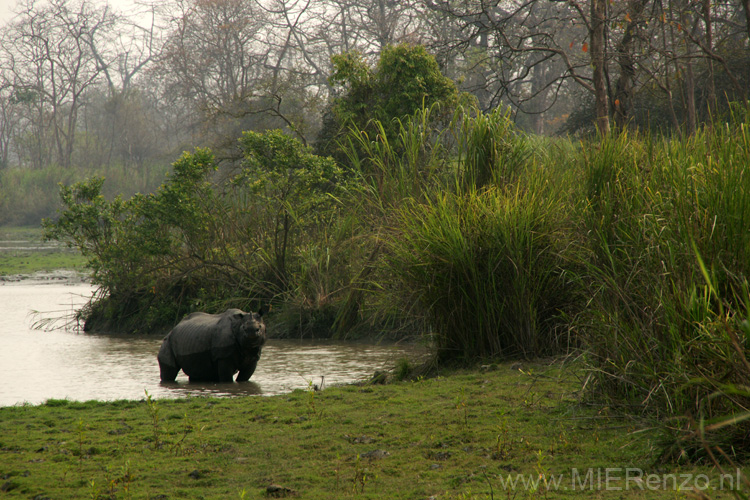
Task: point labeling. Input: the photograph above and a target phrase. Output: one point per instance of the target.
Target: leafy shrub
(142, 251)
(199, 243)
(405, 79)
(290, 189)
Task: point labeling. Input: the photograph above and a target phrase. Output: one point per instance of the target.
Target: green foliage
(292, 187)
(408, 162)
(539, 245)
(483, 267)
(405, 79)
(403, 369)
(488, 270)
(28, 195)
(90, 222)
(664, 329)
(354, 76)
(199, 242)
(142, 251)
(491, 151)
(294, 197)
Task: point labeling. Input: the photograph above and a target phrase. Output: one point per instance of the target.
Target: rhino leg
(248, 366)
(168, 373)
(168, 365)
(226, 370)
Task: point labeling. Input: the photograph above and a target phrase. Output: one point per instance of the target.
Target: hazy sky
(5, 10)
(6, 7)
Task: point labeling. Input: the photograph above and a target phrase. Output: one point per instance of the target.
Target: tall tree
(528, 52)
(625, 54)
(619, 52)
(10, 117)
(125, 53)
(47, 57)
(598, 61)
(214, 54)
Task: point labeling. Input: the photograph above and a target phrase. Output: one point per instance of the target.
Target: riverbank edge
(38, 261)
(45, 277)
(462, 434)
(39, 268)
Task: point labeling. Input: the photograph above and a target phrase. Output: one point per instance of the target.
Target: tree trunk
(690, 97)
(598, 24)
(692, 115)
(711, 86)
(538, 101)
(624, 92)
(382, 26)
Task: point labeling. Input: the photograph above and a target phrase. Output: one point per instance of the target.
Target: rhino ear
(261, 312)
(236, 319)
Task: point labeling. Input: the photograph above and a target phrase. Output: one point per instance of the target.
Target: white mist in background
(125, 7)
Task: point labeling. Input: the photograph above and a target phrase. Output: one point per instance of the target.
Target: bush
(196, 243)
(476, 245)
(405, 79)
(144, 251)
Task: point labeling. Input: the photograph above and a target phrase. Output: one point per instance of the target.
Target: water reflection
(183, 388)
(37, 365)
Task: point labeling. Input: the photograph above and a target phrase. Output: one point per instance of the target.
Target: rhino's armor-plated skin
(213, 347)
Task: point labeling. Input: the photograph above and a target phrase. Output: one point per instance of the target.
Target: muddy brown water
(37, 365)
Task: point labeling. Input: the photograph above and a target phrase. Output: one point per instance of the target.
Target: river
(36, 365)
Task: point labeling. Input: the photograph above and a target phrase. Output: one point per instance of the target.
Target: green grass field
(461, 435)
(23, 252)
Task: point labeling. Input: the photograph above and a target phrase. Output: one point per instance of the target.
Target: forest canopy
(83, 85)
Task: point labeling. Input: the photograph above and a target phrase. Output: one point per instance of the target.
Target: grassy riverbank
(22, 252)
(457, 436)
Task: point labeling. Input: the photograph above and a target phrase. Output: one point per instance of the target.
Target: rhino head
(250, 330)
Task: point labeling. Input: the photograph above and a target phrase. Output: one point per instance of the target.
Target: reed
(405, 165)
(666, 223)
(490, 150)
(476, 242)
(488, 270)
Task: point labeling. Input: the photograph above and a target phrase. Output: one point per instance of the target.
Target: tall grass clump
(408, 163)
(490, 149)
(479, 248)
(667, 231)
(385, 171)
(487, 268)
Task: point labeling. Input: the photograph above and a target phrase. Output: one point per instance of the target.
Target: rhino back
(193, 334)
